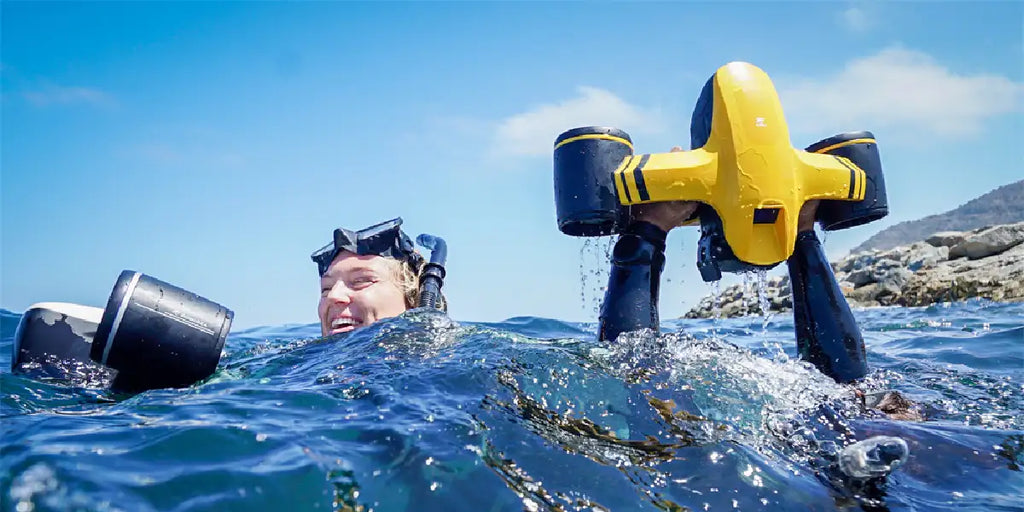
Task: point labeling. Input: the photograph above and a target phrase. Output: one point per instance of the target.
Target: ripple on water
(421, 413)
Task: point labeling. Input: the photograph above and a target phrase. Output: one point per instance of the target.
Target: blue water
(420, 413)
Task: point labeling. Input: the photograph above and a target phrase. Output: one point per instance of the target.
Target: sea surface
(422, 413)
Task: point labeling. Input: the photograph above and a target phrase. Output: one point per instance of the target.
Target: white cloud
(64, 95)
(532, 133)
(898, 89)
(856, 19)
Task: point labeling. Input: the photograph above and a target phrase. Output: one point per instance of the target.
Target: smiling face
(357, 291)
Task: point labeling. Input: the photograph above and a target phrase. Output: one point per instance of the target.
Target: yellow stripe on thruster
(863, 184)
(630, 194)
(855, 186)
(857, 190)
(826, 149)
(603, 136)
(616, 178)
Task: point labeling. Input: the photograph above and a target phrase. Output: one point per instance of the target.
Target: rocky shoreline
(947, 266)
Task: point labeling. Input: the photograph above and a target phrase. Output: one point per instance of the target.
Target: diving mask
(384, 239)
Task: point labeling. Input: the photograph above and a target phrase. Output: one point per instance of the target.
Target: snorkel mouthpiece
(742, 168)
(437, 247)
(432, 277)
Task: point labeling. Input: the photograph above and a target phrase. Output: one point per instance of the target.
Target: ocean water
(423, 413)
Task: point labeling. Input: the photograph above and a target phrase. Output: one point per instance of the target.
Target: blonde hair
(407, 277)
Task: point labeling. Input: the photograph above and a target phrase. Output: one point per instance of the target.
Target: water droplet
(595, 263)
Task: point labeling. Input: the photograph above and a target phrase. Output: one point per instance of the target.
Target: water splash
(716, 306)
(762, 296)
(746, 291)
(385, 418)
(683, 264)
(595, 265)
(874, 457)
(774, 348)
(733, 392)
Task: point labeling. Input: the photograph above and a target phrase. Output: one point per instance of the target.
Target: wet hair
(407, 277)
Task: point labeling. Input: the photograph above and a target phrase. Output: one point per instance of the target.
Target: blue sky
(215, 145)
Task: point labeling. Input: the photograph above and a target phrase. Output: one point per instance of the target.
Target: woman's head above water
(357, 290)
(367, 275)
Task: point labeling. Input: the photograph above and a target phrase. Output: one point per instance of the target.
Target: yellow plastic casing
(748, 163)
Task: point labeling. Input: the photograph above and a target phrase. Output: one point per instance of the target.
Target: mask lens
(323, 257)
(384, 239)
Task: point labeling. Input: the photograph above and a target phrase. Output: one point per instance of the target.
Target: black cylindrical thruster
(835, 215)
(158, 335)
(586, 203)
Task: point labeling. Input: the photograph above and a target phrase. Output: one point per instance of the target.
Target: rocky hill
(946, 266)
(1004, 205)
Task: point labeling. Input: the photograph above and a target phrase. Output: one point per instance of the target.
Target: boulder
(865, 294)
(927, 256)
(896, 277)
(988, 242)
(945, 239)
(857, 261)
(897, 254)
(920, 274)
(873, 274)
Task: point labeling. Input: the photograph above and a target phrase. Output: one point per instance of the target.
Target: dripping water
(746, 293)
(775, 350)
(595, 262)
(716, 307)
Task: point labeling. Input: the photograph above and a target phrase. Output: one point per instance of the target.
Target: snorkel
(432, 276)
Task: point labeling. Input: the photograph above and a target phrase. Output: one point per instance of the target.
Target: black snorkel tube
(432, 277)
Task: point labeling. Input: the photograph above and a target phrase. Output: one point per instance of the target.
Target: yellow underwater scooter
(742, 168)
